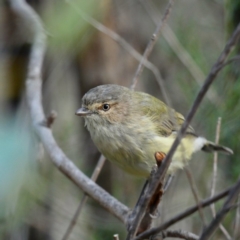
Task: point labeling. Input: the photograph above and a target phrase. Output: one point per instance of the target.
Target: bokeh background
(36, 200)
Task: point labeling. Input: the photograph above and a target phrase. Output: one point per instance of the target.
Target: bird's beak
(82, 112)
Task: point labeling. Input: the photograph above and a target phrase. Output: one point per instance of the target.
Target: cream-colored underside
(133, 149)
(140, 163)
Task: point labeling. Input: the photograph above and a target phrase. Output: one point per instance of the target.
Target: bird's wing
(166, 120)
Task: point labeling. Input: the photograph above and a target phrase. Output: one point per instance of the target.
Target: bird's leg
(159, 156)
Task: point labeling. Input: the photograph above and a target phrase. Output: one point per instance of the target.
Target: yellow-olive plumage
(128, 127)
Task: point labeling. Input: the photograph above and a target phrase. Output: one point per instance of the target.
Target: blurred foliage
(232, 15)
(17, 172)
(67, 30)
(231, 107)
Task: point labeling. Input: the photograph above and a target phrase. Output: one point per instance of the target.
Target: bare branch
(237, 221)
(215, 160)
(231, 60)
(195, 194)
(207, 233)
(159, 176)
(94, 177)
(183, 215)
(100, 27)
(215, 163)
(179, 234)
(152, 42)
(136, 227)
(34, 100)
(180, 51)
(122, 42)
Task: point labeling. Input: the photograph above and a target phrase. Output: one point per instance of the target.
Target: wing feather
(166, 120)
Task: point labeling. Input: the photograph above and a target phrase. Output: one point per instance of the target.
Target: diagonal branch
(151, 43)
(233, 195)
(180, 51)
(214, 178)
(183, 215)
(149, 49)
(237, 221)
(84, 199)
(179, 234)
(195, 194)
(34, 100)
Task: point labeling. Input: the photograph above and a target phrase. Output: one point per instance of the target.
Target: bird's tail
(212, 147)
(207, 146)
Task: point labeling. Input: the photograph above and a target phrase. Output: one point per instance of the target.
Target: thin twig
(214, 178)
(179, 50)
(237, 221)
(150, 46)
(152, 42)
(122, 42)
(113, 35)
(215, 160)
(232, 197)
(231, 60)
(34, 101)
(195, 194)
(84, 199)
(159, 176)
(183, 215)
(168, 182)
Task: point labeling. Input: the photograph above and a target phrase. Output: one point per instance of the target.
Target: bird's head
(105, 104)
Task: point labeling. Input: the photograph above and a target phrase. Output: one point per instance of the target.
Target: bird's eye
(105, 107)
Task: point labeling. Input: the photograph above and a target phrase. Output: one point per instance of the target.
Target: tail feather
(211, 147)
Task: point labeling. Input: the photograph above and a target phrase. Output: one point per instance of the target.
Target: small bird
(129, 127)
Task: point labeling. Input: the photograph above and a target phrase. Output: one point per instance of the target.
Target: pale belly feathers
(134, 153)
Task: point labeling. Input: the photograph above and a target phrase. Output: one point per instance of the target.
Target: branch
(179, 234)
(122, 42)
(159, 176)
(135, 227)
(195, 194)
(34, 100)
(214, 178)
(84, 199)
(152, 42)
(149, 49)
(180, 51)
(237, 221)
(221, 214)
(183, 215)
(215, 160)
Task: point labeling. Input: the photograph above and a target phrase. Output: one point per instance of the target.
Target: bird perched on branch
(129, 127)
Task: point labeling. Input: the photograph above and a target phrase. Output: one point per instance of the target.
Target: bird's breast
(132, 148)
(124, 147)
